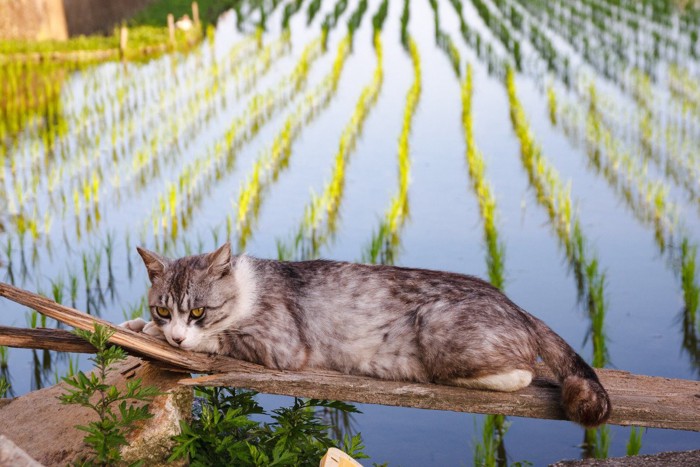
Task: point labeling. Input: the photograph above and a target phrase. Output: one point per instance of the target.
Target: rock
(11, 455)
(43, 427)
(667, 459)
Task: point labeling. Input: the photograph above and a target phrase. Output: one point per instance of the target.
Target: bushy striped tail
(584, 399)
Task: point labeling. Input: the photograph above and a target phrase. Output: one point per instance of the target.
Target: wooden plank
(637, 400)
(136, 343)
(42, 338)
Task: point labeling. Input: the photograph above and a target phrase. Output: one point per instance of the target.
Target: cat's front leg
(146, 327)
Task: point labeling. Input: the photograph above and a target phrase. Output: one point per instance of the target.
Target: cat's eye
(197, 313)
(163, 312)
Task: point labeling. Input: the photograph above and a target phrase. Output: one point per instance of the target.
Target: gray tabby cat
(382, 321)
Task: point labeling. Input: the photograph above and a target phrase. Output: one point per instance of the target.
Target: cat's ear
(220, 261)
(155, 264)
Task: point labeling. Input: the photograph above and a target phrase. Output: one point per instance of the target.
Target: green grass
(156, 13)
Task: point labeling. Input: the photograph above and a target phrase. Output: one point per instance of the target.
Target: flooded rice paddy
(551, 147)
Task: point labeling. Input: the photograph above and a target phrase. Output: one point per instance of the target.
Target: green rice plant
(634, 443)
(489, 449)
(321, 213)
(405, 16)
(290, 9)
(311, 11)
(331, 19)
(4, 353)
(691, 291)
(356, 18)
(555, 197)
(385, 241)
(4, 386)
(444, 41)
(57, 289)
(380, 16)
(73, 287)
(597, 442)
(275, 158)
(495, 250)
(136, 310)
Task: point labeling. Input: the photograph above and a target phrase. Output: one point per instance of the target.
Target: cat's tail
(584, 399)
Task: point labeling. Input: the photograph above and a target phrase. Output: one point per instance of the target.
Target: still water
(357, 151)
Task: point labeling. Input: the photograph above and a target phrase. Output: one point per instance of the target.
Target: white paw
(153, 330)
(135, 325)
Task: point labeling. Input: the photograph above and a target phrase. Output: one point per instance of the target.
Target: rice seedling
(487, 203)
(385, 241)
(331, 19)
(314, 7)
(290, 9)
(321, 213)
(356, 18)
(444, 41)
(691, 291)
(489, 449)
(275, 158)
(634, 443)
(555, 197)
(597, 442)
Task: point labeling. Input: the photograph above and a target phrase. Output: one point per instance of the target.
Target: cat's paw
(136, 325)
(153, 330)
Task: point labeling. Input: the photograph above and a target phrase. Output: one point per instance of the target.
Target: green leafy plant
(223, 433)
(4, 386)
(116, 413)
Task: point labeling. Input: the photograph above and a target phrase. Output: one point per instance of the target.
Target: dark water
(139, 141)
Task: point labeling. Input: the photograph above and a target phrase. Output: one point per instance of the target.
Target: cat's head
(191, 298)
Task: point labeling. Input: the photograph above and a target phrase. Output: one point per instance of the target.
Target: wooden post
(195, 13)
(123, 40)
(171, 28)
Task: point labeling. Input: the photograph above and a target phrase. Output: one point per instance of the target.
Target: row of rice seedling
(331, 19)
(195, 115)
(176, 203)
(385, 242)
(522, 21)
(275, 158)
(647, 199)
(590, 279)
(487, 202)
(649, 130)
(180, 122)
(572, 32)
(484, 49)
(501, 31)
(444, 41)
(82, 163)
(671, 41)
(290, 9)
(489, 449)
(314, 7)
(321, 213)
(555, 197)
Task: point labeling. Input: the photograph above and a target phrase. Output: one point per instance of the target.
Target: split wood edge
(637, 400)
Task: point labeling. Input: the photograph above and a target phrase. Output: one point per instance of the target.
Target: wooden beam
(637, 400)
(42, 338)
(136, 343)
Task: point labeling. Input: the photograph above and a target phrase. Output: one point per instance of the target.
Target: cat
(386, 322)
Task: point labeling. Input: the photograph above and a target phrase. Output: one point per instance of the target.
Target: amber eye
(163, 312)
(197, 312)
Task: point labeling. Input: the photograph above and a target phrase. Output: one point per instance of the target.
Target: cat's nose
(178, 340)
